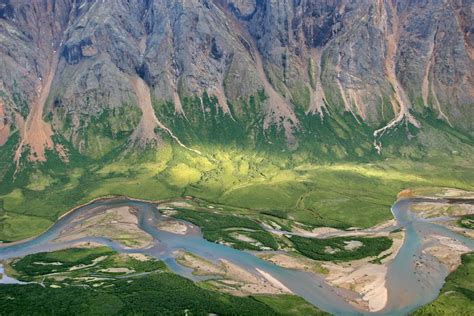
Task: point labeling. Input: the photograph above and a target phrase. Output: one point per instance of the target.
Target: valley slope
(317, 113)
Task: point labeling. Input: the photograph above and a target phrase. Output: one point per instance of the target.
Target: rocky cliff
(91, 72)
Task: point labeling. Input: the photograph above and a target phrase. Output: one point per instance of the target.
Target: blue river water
(409, 286)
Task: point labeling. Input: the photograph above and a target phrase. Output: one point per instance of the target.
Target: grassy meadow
(342, 195)
(333, 178)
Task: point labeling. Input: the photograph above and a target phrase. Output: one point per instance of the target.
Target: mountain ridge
(371, 60)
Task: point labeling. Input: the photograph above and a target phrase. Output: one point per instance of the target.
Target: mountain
(332, 77)
(262, 125)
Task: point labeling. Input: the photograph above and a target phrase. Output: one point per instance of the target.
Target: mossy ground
(336, 249)
(334, 178)
(340, 194)
(237, 230)
(82, 281)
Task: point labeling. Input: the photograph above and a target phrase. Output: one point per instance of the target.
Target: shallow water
(408, 286)
(5, 279)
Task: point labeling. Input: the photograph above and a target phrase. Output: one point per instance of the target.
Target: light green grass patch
(140, 188)
(244, 167)
(13, 199)
(203, 164)
(99, 145)
(282, 195)
(160, 160)
(74, 177)
(17, 227)
(40, 181)
(182, 175)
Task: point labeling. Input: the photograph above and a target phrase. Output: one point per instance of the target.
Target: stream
(409, 285)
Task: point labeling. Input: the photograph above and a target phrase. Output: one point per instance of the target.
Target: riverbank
(368, 277)
(245, 274)
(230, 278)
(119, 224)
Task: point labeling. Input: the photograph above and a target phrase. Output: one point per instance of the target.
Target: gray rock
(334, 55)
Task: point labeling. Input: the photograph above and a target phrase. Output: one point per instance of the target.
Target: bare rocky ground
(118, 224)
(71, 61)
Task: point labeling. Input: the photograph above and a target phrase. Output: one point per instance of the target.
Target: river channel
(408, 285)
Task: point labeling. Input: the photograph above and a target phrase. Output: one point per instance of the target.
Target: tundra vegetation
(238, 231)
(339, 248)
(318, 122)
(289, 185)
(251, 180)
(99, 281)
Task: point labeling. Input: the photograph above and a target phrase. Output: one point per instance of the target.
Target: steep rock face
(30, 54)
(66, 64)
(360, 51)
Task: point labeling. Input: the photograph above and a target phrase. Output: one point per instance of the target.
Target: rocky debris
(4, 125)
(382, 61)
(145, 133)
(355, 40)
(31, 33)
